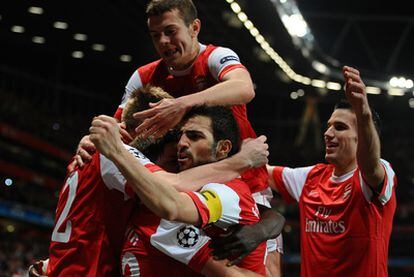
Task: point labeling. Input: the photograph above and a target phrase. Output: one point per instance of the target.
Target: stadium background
(62, 62)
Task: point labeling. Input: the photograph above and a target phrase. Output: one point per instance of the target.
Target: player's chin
(184, 164)
(330, 157)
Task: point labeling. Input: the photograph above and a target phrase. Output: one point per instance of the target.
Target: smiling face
(341, 141)
(196, 145)
(175, 42)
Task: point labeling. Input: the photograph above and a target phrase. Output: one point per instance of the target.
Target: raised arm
(155, 193)
(235, 88)
(368, 149)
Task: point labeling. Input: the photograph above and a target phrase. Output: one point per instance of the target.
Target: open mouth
(331, 145)
(182, 157)
(170, 53)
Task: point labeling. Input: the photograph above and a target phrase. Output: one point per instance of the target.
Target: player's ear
(195, 27)
(223, 148)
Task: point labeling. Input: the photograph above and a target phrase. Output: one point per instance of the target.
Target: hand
(83, 153)
(104, 133)
(237, 244)
(161, 117)
(38, 269)
(255, 151)
(125, 136)
(355, 90)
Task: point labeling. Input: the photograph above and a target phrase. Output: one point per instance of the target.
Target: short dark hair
(142, 97)
(224, 125)
(154, 150)
(187, 9)
(344, 104)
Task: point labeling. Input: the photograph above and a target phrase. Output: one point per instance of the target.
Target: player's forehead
(344, 116)
(168, 19)
(198, 123)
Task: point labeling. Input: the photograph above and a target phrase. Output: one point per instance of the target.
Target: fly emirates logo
(321, 223)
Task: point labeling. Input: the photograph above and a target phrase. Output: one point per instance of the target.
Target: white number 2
(72, 183)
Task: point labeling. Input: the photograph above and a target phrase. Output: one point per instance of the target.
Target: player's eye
(193, 135)
(155, 35)
(340, 127)
(170, 32)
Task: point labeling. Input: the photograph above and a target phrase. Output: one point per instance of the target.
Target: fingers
(141, 129)
(237, 260)
(230, 252)
(78, 161)
(262, 138)
(144, 114)
(350, 69)
(84, 155)
(152, 128)
(36, 270)
(125, 136)
(152, 105)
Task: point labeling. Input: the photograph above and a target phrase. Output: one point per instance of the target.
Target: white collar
(340, 179)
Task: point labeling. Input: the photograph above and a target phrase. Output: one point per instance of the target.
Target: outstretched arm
(369, 149)
(157, 192)
(236, 88)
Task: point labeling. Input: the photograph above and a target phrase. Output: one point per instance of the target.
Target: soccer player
(193, 73)
(346, 206)
(95, 204)
(208, 134)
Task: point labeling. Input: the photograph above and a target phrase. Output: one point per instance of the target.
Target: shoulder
(150, 66)
(221, 55)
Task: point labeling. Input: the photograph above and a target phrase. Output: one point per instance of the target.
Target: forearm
(219, 172)
(235, 89)
(369, 150)
(159, 196)
(271, 223)
(215, 268)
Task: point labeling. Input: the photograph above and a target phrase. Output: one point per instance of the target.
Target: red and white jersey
(157, 241)
(93, 209)
(345, 226)
(207, 70)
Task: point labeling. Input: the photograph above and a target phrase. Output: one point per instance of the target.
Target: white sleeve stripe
(133, 83)
(366, 190)
(111, 175)
(294, 180)
(386, 196)
(219, 59)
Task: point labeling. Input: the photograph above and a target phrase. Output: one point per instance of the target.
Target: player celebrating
(346, 206)
(207, 134)
(194, 74)
(94, 205)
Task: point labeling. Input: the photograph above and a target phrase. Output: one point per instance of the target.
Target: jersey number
(72, 183)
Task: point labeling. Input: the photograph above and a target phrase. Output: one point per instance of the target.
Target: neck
(341, 170)
(193, 56)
